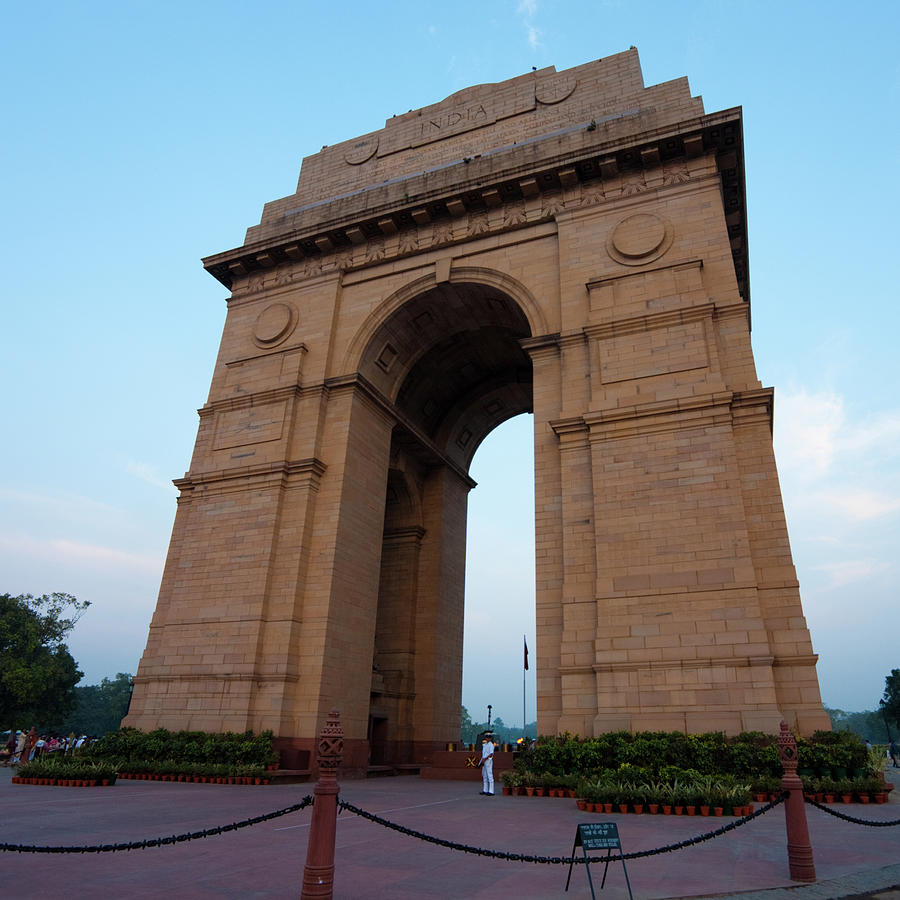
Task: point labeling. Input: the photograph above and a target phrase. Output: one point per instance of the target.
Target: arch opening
(451, 365)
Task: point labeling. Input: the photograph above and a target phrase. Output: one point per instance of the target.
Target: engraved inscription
(468, 118)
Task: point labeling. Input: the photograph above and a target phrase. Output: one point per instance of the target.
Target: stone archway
(569, 242)
(450, 363)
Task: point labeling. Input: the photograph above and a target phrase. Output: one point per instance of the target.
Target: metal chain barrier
(556, 860)
(838, 815)
(162, 841)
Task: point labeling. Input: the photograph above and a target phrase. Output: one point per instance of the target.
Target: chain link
(838, 815)
(555, 860)
(162, 841)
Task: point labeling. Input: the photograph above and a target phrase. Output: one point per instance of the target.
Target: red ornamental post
(318, 873)
(800, 854)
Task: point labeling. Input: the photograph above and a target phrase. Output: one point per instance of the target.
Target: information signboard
(597, 836)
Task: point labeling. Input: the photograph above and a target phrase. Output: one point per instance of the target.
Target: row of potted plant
(66, 772)
(864, 789)
(717, 794)
(197, 779)
(170, 769)
(542, 784)
(616, 791)
(199, 773)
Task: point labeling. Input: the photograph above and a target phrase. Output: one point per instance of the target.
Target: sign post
(597, 836)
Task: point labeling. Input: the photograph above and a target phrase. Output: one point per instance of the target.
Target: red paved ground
(266, 860)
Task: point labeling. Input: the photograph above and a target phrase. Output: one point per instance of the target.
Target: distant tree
(98, 707)
(467, 730)
(890, 702)
(868, 724)
(37, 673)
(505, 734)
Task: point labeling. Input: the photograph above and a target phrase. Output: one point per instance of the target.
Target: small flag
(526, 652)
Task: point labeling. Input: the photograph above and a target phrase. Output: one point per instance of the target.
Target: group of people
(24, 747)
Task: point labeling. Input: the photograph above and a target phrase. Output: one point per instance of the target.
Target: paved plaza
(266, 860)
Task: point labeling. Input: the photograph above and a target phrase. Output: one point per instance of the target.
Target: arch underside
(451, 364)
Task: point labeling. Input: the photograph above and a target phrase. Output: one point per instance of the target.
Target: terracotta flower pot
(864, 798)
(667, 810)
(690, 810)
(829, 798)
(846, 798)
(679, 810)
(638, 808)
(718, 810)
(539, 792)
(654, 808)
(507, 791)
(529, 791)
(581, 804)
(704, 810)
(623, 808)
(607, 808)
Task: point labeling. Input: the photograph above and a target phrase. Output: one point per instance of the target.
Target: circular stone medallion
(554, 90)
(361, 151)
(639, 238)
(274, 324)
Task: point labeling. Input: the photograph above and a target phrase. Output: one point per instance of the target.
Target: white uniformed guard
(487, 765)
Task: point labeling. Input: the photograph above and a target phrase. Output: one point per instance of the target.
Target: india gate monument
(571, 244)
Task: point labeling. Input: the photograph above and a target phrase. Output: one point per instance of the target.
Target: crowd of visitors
(24, 747)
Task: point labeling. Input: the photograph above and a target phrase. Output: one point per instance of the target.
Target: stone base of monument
(462, 765)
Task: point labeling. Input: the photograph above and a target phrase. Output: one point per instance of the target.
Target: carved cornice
(256, 398)
(495, 195)
(410, 534)
(704, 662)
(732, 407)
(542, 345)
(806, 659)
(680, 264)
(270, 474)
(650, 322)
(754, 407)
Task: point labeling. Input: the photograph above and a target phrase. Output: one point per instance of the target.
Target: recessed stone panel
(662, 351)
(249, 425)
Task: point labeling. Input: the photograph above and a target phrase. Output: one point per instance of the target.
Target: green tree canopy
(890, 702)
(506, 734)
(37, 673)
(98, 707)
(868, 724)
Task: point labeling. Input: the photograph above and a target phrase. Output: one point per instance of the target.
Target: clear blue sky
(140, 137)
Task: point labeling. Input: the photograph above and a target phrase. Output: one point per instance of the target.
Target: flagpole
(524, 670)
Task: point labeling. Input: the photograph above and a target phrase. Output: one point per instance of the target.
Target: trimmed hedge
(162, 750)
(649, 754)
